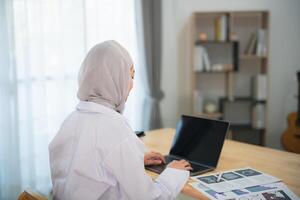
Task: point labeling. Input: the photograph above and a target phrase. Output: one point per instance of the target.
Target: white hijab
(104, 76)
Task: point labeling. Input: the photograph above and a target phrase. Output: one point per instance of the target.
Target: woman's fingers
(187, 165)
(153, 158)
(156, 162)
(153, 162)
(185, 162)
(159, 156)
(180, 164)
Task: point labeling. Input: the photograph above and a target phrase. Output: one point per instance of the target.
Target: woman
(95, 154)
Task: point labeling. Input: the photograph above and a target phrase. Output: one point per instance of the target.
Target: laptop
(197, 140)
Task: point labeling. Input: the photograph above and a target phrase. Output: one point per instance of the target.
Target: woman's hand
(180, 164)
(153, 158)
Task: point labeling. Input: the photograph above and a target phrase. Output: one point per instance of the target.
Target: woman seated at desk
(95, 154)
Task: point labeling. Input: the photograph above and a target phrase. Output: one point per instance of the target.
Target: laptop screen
(199, 140)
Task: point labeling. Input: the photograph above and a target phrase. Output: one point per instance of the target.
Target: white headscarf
(104, 76)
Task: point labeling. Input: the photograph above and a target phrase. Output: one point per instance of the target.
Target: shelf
(239, 99)
(214, 72)
(216, 115)
(248, 14)
(245, 126)
(251, 57)
(209, 14)
(214, 42)
(237, 29)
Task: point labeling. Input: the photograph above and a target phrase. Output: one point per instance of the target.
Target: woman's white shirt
(96, 155)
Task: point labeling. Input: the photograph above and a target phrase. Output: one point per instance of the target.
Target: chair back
(30, 195)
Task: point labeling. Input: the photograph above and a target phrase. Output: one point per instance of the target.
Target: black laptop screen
(199, 140)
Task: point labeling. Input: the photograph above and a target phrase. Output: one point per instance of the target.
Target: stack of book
(257, 44)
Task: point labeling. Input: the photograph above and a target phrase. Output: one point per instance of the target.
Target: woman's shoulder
(109, 131)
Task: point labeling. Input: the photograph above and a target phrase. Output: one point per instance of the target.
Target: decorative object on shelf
(234, 37)
(222, 67)
(203, 37)
(210, 106)
(218, 67)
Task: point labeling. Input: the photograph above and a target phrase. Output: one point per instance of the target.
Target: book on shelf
(261, 47)
(201, 60)
(250, 47)
(259, 87)
(221, 28)
(257, 44)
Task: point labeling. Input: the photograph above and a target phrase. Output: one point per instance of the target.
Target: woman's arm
(127, 165)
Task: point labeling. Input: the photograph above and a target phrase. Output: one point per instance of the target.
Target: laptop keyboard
(170, 158)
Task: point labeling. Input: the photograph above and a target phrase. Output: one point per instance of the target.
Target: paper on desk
(235, 179)
(273, 191)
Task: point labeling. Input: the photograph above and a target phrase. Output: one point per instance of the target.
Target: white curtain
(45, 43)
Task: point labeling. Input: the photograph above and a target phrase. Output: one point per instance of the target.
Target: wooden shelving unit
(233, 85)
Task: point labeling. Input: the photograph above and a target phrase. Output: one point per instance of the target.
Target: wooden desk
(283, 165)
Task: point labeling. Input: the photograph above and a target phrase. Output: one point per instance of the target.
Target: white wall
(284, 57)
